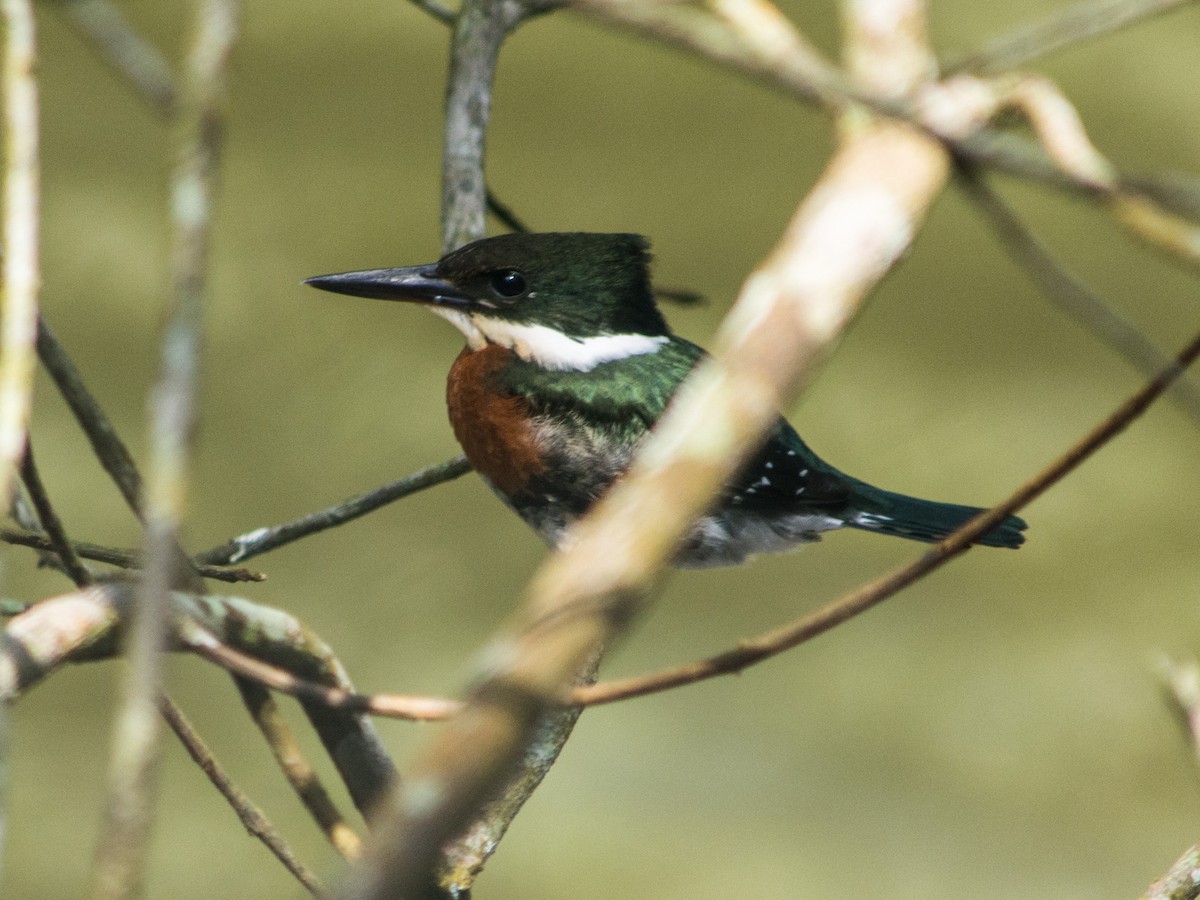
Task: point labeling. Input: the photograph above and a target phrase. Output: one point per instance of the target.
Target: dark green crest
(579, 283)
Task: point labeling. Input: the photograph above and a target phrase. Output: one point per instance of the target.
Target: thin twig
(774, 642)
(352, 744)
(106, 443)
(18, 318)
(262, 540)
(120, 858)
(1073, 296)
(297, 769)
(125, 51)
(116, 556)
(395, 706)
(55, 534)
(251, 816)
(1063, 28)
(505, 214)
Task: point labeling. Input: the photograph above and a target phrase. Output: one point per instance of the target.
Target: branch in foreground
(84, 626)
(261, 540)
(1181, 684)
(122, 851)
(18, 319)
(122, 48)
(1180, 882)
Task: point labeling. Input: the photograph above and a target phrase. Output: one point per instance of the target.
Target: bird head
(564, 300)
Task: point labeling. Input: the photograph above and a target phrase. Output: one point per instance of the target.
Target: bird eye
(508, 283)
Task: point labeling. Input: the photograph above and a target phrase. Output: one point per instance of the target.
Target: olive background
(996, 731)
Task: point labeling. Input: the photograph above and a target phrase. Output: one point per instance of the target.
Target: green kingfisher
(567, 366)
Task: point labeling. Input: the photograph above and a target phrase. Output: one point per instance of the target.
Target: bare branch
(125, 51)
(252, 818)
(1063, 28)
(262, 540)
(297, 769)
(1180, 883)
(71, 628)
(126, 559)
(56, 536)
(106, 443)
(84, 626)
(18, 318)
(286, 681)
(121, 854)
(479, 29)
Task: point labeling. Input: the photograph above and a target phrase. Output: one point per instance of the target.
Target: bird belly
(730, 536)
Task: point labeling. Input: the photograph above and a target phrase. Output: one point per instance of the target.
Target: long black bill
(413, 284)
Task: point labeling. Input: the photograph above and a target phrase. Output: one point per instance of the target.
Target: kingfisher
(568, 364)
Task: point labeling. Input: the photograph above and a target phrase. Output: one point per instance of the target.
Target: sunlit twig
(262, 540)
(18, 316)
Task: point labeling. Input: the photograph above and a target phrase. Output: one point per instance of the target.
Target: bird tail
(925, 520)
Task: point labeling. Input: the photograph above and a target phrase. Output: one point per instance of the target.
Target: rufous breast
(492, 424)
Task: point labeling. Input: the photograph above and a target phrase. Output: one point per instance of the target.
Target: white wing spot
(871, 520)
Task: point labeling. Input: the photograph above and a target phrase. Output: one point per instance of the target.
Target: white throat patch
(546, 347)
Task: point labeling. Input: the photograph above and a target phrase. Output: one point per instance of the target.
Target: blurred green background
(995, 732)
